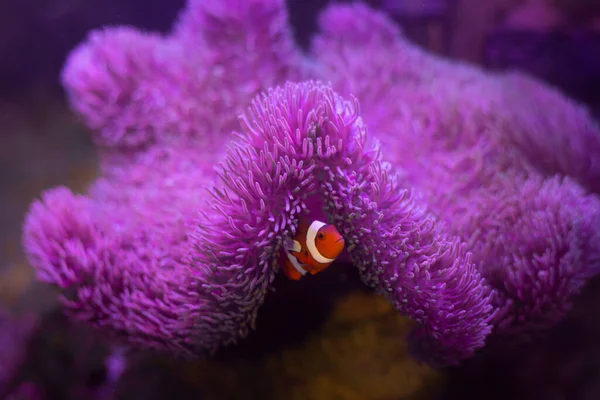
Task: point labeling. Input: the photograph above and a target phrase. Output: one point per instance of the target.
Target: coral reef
(497, 237)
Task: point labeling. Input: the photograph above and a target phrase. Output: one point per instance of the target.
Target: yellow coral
(359, 354)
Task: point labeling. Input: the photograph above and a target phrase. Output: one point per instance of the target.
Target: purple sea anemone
(145, 266)
(462, 223)
(512, 181)
(137, 89)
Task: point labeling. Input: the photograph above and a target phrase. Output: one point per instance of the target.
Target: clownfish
(315, 246)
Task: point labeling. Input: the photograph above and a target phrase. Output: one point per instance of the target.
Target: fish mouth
(339, 240)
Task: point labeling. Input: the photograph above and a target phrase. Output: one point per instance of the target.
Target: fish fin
(293, 245)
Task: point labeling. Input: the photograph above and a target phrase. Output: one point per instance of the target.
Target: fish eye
(320, 236)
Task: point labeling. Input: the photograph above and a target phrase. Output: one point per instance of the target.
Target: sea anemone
(150, 270)
(464, 223)
(511, 180)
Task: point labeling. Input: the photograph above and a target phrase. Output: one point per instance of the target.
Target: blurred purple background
(558, 41)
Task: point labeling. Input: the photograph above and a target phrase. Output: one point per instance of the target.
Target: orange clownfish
(314, 248)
